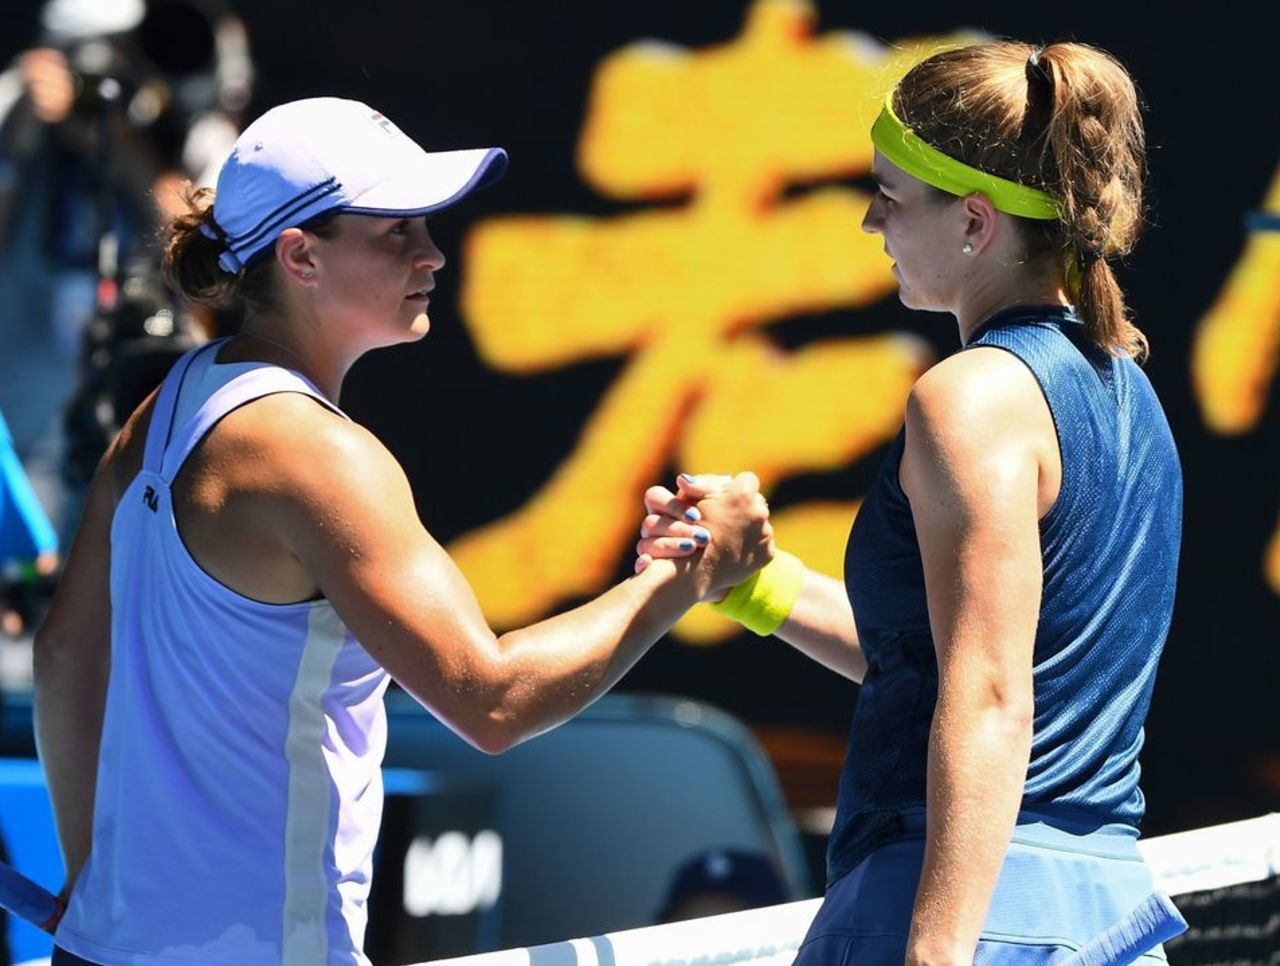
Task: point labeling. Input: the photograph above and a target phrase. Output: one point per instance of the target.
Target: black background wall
(475, 442)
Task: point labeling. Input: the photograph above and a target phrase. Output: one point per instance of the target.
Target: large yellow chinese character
(721, 134)
(1238, 345)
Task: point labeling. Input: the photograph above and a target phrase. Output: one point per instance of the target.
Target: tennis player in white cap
(251, 569)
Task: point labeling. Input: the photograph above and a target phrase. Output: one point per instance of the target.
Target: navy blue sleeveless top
(1109, 547)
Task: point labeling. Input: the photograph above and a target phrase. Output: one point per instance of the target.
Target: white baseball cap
(307, 157)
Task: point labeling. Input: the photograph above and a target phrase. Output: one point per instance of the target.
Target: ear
(980, 219)
(296, 257)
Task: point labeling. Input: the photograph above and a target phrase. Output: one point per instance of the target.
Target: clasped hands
(717, 525)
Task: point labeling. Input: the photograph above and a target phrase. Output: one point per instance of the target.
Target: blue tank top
(1109, 547)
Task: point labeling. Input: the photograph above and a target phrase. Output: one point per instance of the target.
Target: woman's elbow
(489, 719)
(493, 736)
(1015, 706)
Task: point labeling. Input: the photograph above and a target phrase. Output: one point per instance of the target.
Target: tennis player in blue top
(1009, 580)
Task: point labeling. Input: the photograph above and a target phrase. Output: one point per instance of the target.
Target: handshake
(716, 530)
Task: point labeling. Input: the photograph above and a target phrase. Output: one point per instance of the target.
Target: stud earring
(967, 248)
(308, 274)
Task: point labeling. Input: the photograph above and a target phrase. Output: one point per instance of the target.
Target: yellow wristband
(762, 602)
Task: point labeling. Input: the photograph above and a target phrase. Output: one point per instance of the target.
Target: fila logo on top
(383, 123)
(149, 498)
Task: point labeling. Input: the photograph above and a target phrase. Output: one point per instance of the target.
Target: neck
(986, 300)
(267, 339)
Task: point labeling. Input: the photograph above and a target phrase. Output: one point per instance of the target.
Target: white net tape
(1206, 858)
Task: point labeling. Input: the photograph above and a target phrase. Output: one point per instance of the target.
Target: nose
(872, 221)
(428, 255)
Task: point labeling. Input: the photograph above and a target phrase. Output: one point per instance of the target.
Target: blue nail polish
(692, 514)
(701, 535)
(686, 544)
(688, 478)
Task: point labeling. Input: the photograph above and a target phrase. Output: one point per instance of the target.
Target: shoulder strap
(163, 411)
(241, 390)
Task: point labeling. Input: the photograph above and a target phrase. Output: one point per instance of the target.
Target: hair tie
(210, 228)
(1036, 71)
(229, 263)
(227, 260)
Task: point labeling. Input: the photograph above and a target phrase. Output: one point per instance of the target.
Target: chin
(415, 330)
(913, 301)
(905, 297)
(384, 337)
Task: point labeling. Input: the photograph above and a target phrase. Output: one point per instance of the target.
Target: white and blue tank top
(239, 787)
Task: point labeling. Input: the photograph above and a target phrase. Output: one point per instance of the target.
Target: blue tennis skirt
(1060, 888)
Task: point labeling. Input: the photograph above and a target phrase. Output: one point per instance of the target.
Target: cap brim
(436, 181)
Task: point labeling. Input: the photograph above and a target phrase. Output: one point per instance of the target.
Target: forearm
(553, 669)
(978, 753)
(821, 626)
(70, 695)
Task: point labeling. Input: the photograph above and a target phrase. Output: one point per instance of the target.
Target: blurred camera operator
(102, 124)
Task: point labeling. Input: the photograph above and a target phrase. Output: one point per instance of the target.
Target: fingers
(692, 489)
(670, 530)
(50, 925)
(668, 547)
(657, 525)
(660, 500)
(661, 536)
(697, 486)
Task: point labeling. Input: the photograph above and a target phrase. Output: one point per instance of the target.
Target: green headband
(902, 147)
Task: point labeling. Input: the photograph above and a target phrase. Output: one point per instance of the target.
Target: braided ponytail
(1097, 146)
(1065, 119)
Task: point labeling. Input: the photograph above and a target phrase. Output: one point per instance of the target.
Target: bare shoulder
(124, 456)
(983, 382)
(288, 466)
(978, 423)
(280, 443)
(978, 397)
(292, 443)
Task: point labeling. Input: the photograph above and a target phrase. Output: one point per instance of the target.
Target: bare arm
(344, 508)
(72, 661)
(975, 448)
(821, 626)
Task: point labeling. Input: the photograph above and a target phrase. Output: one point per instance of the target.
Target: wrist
(940, 950)
(931, 954)
(670, 577)
(763, 601)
